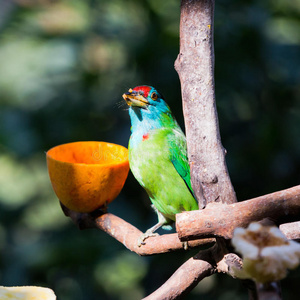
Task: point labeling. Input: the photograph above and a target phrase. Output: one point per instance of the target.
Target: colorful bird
(158, 156)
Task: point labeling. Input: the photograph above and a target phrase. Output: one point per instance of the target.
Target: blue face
(147, 109)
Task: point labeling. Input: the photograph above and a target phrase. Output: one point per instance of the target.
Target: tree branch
(195, 66)
(128, 235)
(221, 219)
(185, 278)
(188, 275)
(205, 263)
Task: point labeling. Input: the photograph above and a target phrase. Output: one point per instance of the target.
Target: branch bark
(221, 220)
(195, 66)
(128, 235)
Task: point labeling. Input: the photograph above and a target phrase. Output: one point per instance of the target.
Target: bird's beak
(133, 98)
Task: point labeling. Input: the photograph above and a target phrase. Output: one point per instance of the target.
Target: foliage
(63, 68)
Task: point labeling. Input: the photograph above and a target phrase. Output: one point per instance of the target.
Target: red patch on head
(145, 136)
(145, 90)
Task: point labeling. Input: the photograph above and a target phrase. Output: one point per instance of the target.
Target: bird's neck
(142, 124)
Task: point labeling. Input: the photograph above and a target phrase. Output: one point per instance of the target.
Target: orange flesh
(87, 175)
(89, 153)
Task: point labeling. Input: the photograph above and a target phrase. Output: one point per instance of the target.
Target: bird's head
(147, 109)
(146, 100)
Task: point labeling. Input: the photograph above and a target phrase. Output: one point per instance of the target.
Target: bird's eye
(154, 96)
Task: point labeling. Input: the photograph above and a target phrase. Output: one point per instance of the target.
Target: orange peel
(87, 175)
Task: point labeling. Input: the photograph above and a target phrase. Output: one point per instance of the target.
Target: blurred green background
(63, 68)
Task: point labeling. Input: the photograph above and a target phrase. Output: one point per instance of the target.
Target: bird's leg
(148, 233)
(162, 220)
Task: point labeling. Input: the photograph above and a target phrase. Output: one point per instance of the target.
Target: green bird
(158, 156)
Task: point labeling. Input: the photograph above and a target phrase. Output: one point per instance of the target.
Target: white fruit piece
(26, 293)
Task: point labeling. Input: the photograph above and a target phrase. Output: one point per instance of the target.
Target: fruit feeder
(87, 175)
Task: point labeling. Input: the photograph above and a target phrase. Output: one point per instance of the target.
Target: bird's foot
(144, 236)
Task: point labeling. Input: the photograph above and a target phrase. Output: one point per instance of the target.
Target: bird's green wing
(179, 158)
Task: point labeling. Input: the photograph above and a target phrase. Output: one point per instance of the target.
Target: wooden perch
(221, 219)
(207, 262)
(128, 235)
(216, 220)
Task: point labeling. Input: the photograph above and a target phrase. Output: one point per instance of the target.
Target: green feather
(179, 159)
(161, 167)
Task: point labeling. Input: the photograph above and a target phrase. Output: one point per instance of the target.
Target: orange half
(87, 175)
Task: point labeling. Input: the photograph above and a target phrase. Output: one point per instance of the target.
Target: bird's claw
(144, 236)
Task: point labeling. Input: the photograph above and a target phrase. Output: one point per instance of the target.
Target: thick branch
(195, 66)
(221, 219)
(128, 235)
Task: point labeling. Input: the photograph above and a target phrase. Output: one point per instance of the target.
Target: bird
(157, 153)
